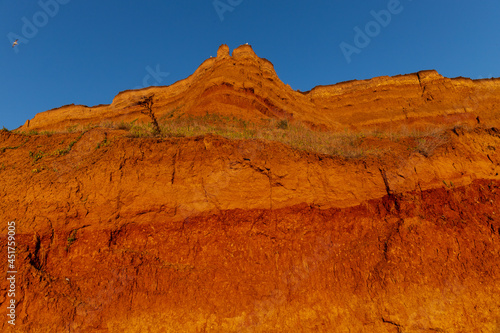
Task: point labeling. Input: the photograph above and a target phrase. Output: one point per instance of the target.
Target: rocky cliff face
(246, 86)
(208, 234)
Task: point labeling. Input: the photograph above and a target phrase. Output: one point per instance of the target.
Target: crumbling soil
(208, 234)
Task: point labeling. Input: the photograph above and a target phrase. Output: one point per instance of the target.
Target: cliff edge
(246, 86)
(393, 227)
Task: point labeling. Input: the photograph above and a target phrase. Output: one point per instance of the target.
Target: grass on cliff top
(348, 144)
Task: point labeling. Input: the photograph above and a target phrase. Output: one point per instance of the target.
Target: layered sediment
(209, 234)
(245, 86)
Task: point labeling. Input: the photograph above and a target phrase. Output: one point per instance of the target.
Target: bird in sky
(15, 43)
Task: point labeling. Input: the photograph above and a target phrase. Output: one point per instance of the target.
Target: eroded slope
(246, 86)
(194, 234)
(209, 234)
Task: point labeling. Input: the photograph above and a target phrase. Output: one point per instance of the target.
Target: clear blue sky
(86, 51)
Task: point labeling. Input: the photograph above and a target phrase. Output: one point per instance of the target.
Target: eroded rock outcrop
(207, 234)
(246, 86)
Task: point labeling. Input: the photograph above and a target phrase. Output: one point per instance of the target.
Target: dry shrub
(348, 144)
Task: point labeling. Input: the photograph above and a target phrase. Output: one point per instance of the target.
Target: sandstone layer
(246, 86)
(208, 234)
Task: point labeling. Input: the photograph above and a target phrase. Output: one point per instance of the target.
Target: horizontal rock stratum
(206, 233)
(246, 86)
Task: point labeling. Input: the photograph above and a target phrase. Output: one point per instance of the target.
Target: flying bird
(15, 43)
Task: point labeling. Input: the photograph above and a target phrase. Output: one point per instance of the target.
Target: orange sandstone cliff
(210, 234)
(247, 86)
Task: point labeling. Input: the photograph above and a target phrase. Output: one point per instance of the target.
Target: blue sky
(85, 52)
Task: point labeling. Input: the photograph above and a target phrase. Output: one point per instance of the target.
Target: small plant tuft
(71, 129)
(282, 124)
(37, 170)
(125, 126)
(62, 152)
(36, 156)
(71, 239)
(103, 143)
(428, 144)
(48, 133)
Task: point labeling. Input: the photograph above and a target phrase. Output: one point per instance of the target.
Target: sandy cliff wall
(246, 86)
(206, 234)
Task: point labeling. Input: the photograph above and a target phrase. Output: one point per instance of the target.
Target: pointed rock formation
(246, 86)
(210, 234)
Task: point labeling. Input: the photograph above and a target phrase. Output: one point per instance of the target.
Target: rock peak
(241, 51)
(223, 52)
(243, 85)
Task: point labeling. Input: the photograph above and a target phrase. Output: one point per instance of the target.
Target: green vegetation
(36, 156)
(428, 143)
(450, 185)
(282, 124)
(35, 132)
(37, 170)
(347, 143)
(62, 152)
(71, 239)
(103, 143)
(72, 128)
(3, 149)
